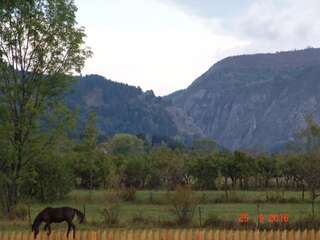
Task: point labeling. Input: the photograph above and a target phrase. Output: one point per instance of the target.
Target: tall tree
(40, 44)
(86, 166)
(307, 138)
(311, 175)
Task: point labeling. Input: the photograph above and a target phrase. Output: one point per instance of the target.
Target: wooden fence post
(171, 234)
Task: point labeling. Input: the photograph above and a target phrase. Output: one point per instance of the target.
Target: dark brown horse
(56, 215)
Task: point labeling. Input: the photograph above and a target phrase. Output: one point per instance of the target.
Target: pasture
(152, 210)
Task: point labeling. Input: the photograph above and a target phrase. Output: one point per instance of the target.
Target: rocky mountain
(251, 101)
(120, 108)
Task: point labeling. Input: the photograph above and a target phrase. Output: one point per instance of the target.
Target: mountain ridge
(242, 102)
(242, 99)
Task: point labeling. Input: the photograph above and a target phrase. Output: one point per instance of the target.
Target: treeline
(130, 161)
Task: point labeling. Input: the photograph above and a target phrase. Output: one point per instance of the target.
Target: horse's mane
(79, 214)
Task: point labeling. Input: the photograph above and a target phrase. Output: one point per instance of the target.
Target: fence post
(305, 234)
(200, 215)
(317, 234)
(312, 235)
(189, 234)
(149, 235)
(250, 235)
(29, 215)
(151, 197)
(290, 235)
(208, 234)
(176, 234)
(256, 234)
(222, 234)
(297, 235)
(84, 212)
(130, 234)
(284, 235)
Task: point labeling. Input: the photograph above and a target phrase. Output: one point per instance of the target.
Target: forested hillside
(120, 108)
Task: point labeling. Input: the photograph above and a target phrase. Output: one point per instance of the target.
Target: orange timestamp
(271, 218)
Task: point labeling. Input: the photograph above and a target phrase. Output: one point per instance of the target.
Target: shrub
(110, 215)
(111, 211)
(183, 204)
(143, 221)
(128, 194)
(19, 212)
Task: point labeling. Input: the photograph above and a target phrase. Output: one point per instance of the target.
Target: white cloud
(159, 45)
(151, 44)
(272, 25)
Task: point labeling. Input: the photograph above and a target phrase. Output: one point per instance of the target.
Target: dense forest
(120, 107)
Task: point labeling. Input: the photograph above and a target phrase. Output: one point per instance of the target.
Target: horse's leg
(45, 227)
(74, 230)
(69, 228)
(49, 229)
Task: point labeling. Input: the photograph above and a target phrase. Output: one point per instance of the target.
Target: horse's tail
(80, 215)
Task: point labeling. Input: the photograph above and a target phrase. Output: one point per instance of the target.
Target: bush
(183, 204)
(110, 215)
(111, 212)
(128, 194)
(142, 221)
(20, 212)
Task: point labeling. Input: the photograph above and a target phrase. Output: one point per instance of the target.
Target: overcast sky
(166, 44)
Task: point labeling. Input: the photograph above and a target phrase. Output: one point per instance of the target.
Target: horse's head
(35, 229)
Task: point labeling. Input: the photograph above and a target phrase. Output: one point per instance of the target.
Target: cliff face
(252, 101)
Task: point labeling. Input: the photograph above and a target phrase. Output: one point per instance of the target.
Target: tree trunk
(266, 183)
(12, 196)
(312, 203)
(277, 182)
(241, 183)
(226, 187)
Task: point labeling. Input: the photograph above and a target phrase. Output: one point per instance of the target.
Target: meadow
(151, 209)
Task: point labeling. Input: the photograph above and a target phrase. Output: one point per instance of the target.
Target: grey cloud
(271, 26)
(212, 8)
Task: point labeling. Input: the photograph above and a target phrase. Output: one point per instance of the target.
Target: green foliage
(88, 157)
(306, 139)
(267, 168)
(20, 212)
(120, 108)
(229, 168)
(136, 171)
(128, 194)
(111, 211)
(182, 204)
(205, 170)
(167, 167)
(40, 44)
(124, 144)
(207, 146)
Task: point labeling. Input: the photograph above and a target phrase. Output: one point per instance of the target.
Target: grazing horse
(56, 215)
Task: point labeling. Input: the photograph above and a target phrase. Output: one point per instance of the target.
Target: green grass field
(158, 210)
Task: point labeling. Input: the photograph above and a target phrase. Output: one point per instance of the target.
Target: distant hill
(120, 108)
(251, 101)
